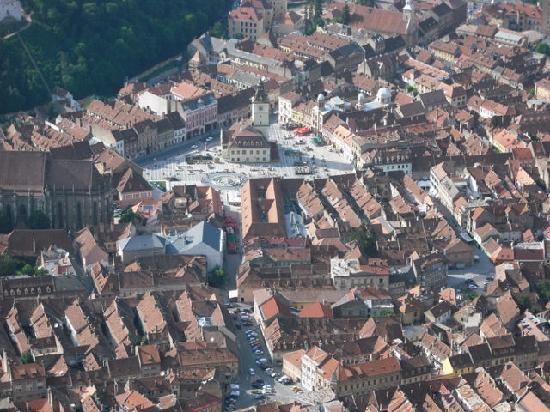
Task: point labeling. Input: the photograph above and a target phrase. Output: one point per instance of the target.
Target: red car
(302, 131)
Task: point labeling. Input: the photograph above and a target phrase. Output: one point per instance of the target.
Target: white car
(194, 146)
(251, 372)
(209, 138)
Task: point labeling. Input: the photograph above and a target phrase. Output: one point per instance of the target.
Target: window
(79, 215)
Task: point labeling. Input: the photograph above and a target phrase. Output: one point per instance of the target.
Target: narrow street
(247, 360)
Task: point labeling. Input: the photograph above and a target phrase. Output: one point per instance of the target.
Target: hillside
(92, 46)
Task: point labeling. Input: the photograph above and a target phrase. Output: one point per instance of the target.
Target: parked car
(258, 384)
(251, 372)
(285, 380)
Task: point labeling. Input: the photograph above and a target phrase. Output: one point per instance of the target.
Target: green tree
(543, 48)
(6, 223)
(128, 216)
(543, 289)
(8, 265)
(346, 17)
(217, 277)
(318, 9)
(30, 270)
(366, 240)
(92, 46)
(469, 294)
(38, 220)
(27, 358)
(524, 303)
(217, 30)
(369, 3)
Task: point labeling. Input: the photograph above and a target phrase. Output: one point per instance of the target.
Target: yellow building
(457, 365)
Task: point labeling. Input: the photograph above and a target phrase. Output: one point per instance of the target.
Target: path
(28, 23)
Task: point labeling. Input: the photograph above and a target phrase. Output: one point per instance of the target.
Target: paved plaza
(293, 151)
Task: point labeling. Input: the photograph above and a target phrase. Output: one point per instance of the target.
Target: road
(28, 20)
(247, 360)
(479, 272)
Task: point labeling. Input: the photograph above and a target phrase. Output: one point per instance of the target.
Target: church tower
(409, 13)
(260, 107)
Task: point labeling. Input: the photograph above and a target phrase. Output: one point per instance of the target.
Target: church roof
(22, 171)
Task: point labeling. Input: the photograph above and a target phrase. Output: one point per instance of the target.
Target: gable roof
(132, 182)
(22, 171)
(202, 232)
(142, 242)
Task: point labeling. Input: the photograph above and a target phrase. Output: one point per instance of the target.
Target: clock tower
(260, 107)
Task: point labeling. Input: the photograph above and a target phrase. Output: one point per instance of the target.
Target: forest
(91, 47)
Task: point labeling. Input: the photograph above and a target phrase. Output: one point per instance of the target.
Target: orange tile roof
(315, 310)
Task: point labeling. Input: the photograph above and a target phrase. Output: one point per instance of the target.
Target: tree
(217, 277)
(30, 270)
(523, 302)
(369, 3)
(38, 220)
(6, 223)
(543, 48)
(128, 216)
(543, 290)
(366, 240)
(318, 11)
(346, 18)
(469, 294)
(26, 358)
(8, 265)
(217, 30)
(92, 46)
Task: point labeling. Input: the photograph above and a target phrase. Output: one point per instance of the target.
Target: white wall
(10, 8)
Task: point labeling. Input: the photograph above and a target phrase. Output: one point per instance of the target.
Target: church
(72, 193)
(245, 141)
